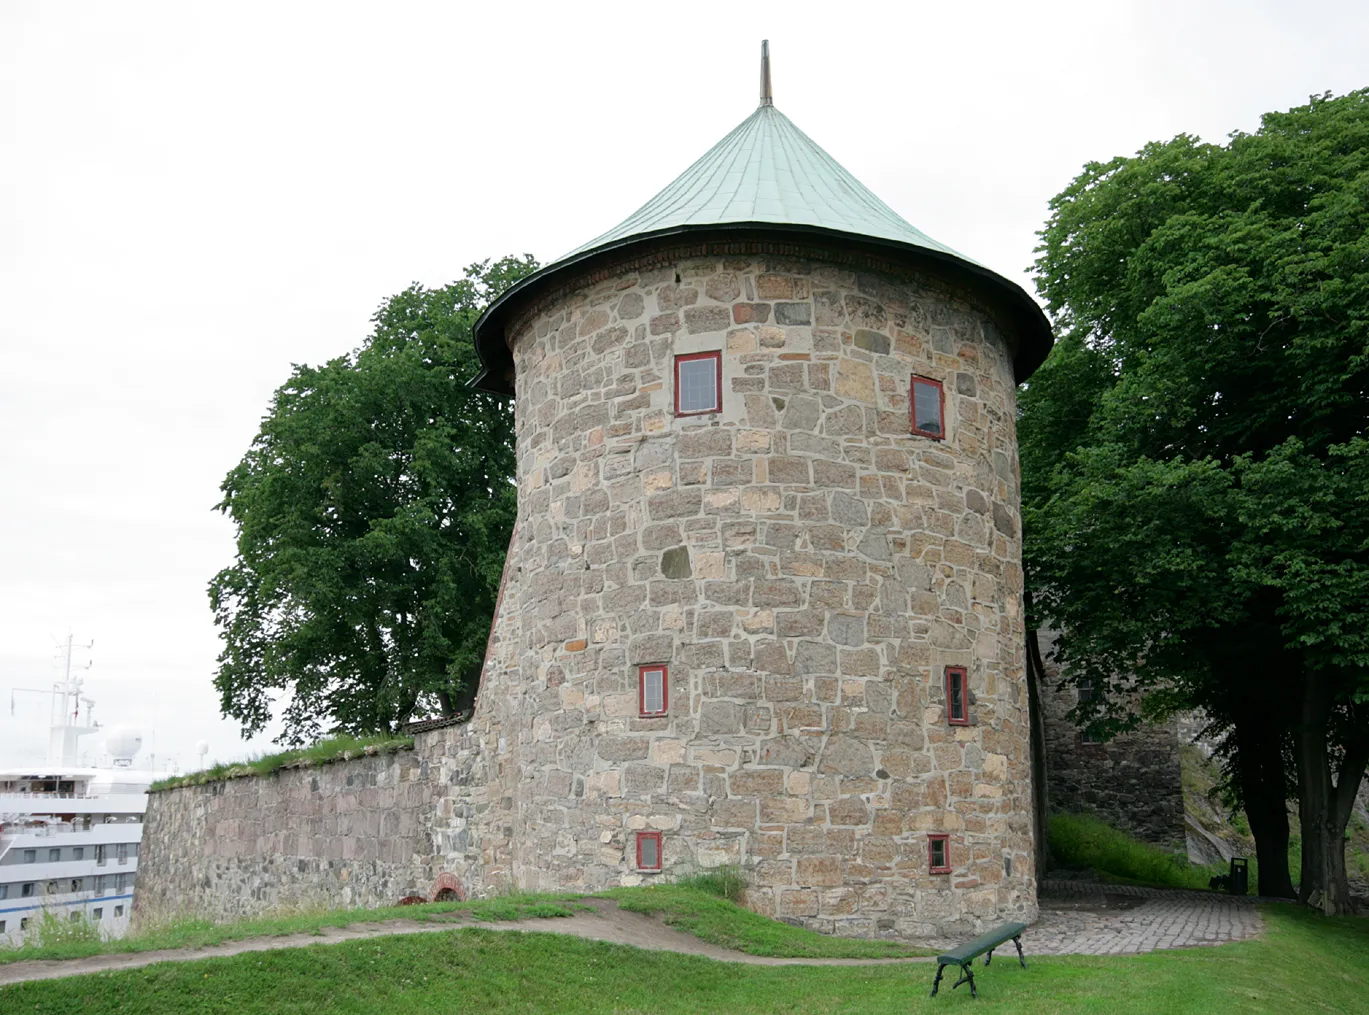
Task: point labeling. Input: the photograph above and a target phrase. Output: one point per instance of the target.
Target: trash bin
(1239, 883)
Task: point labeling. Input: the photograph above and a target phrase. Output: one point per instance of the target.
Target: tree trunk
(1325, 805)
(1040, 800)
(1259, 759)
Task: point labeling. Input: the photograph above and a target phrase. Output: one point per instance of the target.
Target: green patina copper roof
(766, 180)
(767, 170)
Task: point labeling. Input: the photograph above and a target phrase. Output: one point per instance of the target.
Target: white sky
(194, 196)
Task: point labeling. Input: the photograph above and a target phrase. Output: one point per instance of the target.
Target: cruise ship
(69, 834)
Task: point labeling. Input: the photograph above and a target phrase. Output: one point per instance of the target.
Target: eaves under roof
(765, 180)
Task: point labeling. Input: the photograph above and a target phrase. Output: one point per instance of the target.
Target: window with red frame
(649, 851)
(698, 383)
(939, 853)
(928, 401)
(957, 696)
(653, 690)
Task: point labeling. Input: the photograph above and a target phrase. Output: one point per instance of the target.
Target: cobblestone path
(1091, 919)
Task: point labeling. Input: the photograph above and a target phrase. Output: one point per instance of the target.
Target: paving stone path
(1091, 919)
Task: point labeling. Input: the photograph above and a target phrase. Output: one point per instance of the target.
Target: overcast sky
(195, 196)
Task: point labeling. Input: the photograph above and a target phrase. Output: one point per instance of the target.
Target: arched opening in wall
(448, 889)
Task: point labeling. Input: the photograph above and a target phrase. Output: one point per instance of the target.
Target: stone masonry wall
(1132, 782)
(806, 568)
(349, 833)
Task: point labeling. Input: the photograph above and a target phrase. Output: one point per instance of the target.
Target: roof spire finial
(767, 99)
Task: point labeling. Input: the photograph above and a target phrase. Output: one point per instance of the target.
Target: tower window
(649, 851)
(939, 853)
(957, 694)
(653, 690)
(698, 383)
(928, 408)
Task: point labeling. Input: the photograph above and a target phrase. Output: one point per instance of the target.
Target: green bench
(965, 955)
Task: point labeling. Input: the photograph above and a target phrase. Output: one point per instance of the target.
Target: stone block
(775, 287)
(779, 592)
(651, 648)
(817, 871)
(701, 320)
(797, 902)
(675, 504)
(812, 658)
(748, 313)
(711, 443)
(720, 717)
(872, 341)
(847, 755)
(723, 287)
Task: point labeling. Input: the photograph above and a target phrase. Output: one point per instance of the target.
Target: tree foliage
(373, 513)
(1195, 451)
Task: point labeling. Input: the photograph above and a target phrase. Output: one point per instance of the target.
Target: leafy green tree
(373, 513)
(1196, 455)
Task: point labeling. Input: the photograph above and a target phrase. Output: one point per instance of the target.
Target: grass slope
(696, 907)
(1079, 842)
(1304, 963)
(322, 753)
(721, 922)
(68, 941)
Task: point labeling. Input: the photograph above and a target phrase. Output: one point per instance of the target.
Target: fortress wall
(1132, 782)
(806, 568)
(362, 832)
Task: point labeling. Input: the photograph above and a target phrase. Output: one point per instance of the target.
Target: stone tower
(763, 603)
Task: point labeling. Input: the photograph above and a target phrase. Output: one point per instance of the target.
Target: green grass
(1078, 841)
(69, 943)
(695, 905)
(721, 922)
(1304, 963)
(321, 753)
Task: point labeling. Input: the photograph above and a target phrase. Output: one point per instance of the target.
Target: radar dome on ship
(123, 743)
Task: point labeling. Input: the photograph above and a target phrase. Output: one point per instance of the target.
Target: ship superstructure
(69, 834)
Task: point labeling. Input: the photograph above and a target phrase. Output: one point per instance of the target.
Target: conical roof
(767, 170)
(766, 180)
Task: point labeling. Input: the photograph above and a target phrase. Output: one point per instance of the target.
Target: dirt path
(606, 923)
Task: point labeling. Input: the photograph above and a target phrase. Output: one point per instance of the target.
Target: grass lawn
(724, 923)
(64, 940)
(694, 909)
(1304, 963)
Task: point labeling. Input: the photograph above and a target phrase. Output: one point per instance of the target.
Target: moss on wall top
(322, 753)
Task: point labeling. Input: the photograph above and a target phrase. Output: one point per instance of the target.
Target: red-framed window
(698, 383)
(927, 406)
(939, 854)
(957, 696)
(653, 690)
(648, 851)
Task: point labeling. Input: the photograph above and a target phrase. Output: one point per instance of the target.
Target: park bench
(965, 955)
